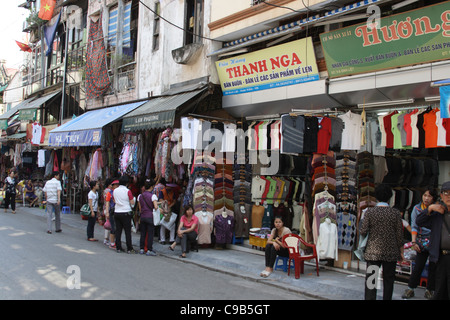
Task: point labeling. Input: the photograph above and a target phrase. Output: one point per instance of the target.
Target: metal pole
(66, 45)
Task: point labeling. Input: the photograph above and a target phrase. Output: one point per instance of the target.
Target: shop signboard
(283, 65)
(82, 138)
(148, 121)
(413, 37)
(27, 114)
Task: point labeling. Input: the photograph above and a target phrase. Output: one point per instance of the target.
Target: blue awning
(440, 83)
(86, 130)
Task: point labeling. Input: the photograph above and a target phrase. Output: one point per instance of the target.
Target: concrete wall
(157, 70)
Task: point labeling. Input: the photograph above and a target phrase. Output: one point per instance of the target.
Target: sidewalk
(245, 262)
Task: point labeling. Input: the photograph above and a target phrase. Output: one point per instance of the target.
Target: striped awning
(293, 26)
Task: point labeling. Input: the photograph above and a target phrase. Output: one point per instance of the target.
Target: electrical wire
(176, 26)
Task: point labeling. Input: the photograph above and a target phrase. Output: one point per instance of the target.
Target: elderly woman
(384, 227)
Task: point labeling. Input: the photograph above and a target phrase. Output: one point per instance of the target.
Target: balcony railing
(76, 59)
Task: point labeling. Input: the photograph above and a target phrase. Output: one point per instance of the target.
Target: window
(156, 22)
(193, 21)
(129, 18)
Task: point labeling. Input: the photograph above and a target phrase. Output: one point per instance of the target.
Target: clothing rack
(212, 118)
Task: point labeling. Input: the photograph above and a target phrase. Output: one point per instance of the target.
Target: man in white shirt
(52, 191)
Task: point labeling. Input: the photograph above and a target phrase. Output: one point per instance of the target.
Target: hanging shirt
(37, 132)
(351, 135)
(431, 129)
(337, 126)
(414, 129)
(258, 188)
(442, 132)
(292, 134)
(324, 135)
(229, 138)
(327, 245)
(382, 130)
(190, 129)
(388, 129)
(41, 158)
(275, 135)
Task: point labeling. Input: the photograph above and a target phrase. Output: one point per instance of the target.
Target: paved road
(36, 265)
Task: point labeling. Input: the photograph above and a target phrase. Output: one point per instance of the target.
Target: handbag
(85, 210)
(107, 225)
(156, 217)
(170, 222)
(359, 253)
(423, 243)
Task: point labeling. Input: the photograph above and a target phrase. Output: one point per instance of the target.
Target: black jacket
(432, 221)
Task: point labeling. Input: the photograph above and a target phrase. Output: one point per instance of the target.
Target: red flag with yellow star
(46, 10)
(23, 46)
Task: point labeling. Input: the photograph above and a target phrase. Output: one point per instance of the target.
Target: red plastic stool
(422, 280)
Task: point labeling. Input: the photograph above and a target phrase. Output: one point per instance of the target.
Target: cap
(115, 182)
(445, 186)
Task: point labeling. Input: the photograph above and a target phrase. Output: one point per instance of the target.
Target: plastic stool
(284, 266)
(423, 280)
(237, 240)
(65, 210)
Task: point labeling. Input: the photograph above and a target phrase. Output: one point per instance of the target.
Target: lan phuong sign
(278, 66)
(413, 37)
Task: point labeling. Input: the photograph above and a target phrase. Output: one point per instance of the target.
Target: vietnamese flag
(23, 46)
(46, 10)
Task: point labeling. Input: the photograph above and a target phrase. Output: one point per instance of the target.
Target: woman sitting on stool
(275, 246)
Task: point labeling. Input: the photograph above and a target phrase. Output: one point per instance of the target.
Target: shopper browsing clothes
(93, 205)
(52, 190)
(168, 200)
(124, 202)
(384, 227)
(10, 191)
(437, 218)
(420, 237)
(148, 201)
(110, 239)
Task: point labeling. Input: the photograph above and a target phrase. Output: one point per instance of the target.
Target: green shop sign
(413, 37)
(27, 114)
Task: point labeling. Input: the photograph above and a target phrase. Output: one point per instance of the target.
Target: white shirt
(51, 189)
(94, 197)
(351, 135)
(37, 133)
(327, 245)
(190, 132)
(229, 138)
(258, 187)
(122, 197)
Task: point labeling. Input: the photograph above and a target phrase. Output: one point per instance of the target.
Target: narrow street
(36, 265)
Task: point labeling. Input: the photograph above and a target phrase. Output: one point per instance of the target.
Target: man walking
(437, 218)
(52, 191)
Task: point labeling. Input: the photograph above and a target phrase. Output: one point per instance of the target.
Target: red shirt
(387, 128)
(324, 135)
(446, 125)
